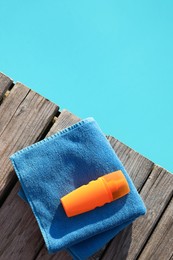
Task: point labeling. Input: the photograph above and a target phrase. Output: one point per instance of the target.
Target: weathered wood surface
(159, 244)
(5, 84)
(62, 255)
(20, 236)
(26, 117)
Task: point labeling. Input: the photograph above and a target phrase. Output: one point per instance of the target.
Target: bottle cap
(117, 184)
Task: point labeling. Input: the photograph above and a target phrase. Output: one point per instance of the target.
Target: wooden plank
(20, 235)
(156, 194)
(160, 244)
(24, 116)
(5, 84)
(62, 255)
(11, 104)
(18, 229)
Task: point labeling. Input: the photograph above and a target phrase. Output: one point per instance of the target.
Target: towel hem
(59, 133)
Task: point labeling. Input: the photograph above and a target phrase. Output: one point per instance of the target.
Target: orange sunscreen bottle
(105, 189)
(96, 193)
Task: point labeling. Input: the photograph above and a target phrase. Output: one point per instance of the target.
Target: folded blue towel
(53, 167)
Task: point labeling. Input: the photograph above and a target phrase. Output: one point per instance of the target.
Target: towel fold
(53, 167)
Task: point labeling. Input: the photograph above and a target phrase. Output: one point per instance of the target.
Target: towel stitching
(59, 133)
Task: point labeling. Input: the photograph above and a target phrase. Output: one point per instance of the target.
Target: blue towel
(53, 167)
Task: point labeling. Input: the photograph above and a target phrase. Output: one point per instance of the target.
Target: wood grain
(62, 255)
(5, 84)
(156, 194)
(160, 244)
(20, 236)
(24, 116)
(11, 104)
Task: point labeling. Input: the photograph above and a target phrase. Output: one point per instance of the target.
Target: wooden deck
(26, 117)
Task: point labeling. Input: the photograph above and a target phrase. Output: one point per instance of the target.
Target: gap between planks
(155, 227)
(5, 85)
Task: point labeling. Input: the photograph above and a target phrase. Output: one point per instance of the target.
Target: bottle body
(96, 193)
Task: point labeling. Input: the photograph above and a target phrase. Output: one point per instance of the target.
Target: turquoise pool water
(112, 60)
